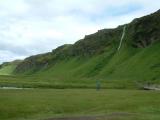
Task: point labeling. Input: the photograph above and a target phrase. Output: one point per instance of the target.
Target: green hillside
(7, 68)
(96, 57)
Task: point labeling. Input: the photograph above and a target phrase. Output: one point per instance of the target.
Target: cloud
(35, 26)
(7, 56)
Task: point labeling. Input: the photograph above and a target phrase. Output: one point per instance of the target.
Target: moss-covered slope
(96, 56)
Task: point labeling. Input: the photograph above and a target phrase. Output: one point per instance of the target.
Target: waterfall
(122, 37)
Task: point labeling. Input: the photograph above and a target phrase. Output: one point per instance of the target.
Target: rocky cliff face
(145, 31)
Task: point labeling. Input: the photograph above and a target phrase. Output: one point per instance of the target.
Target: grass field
(52, 82)
(39, 104)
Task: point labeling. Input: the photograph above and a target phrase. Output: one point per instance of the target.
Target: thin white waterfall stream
(122, 37)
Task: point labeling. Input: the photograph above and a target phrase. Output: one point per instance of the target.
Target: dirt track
(104, 117)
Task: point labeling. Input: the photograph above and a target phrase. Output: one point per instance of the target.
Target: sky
(29, 27)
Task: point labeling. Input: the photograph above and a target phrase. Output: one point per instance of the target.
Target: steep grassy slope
(96, 57)
(92, 45)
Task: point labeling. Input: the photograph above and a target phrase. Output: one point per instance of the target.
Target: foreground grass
(35, 104)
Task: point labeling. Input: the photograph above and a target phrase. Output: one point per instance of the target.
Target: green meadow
(40, 104)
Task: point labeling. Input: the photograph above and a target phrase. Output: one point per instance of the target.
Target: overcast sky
(29, 27)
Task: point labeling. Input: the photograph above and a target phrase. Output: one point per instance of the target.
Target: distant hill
(97, 55)
(7, 68)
